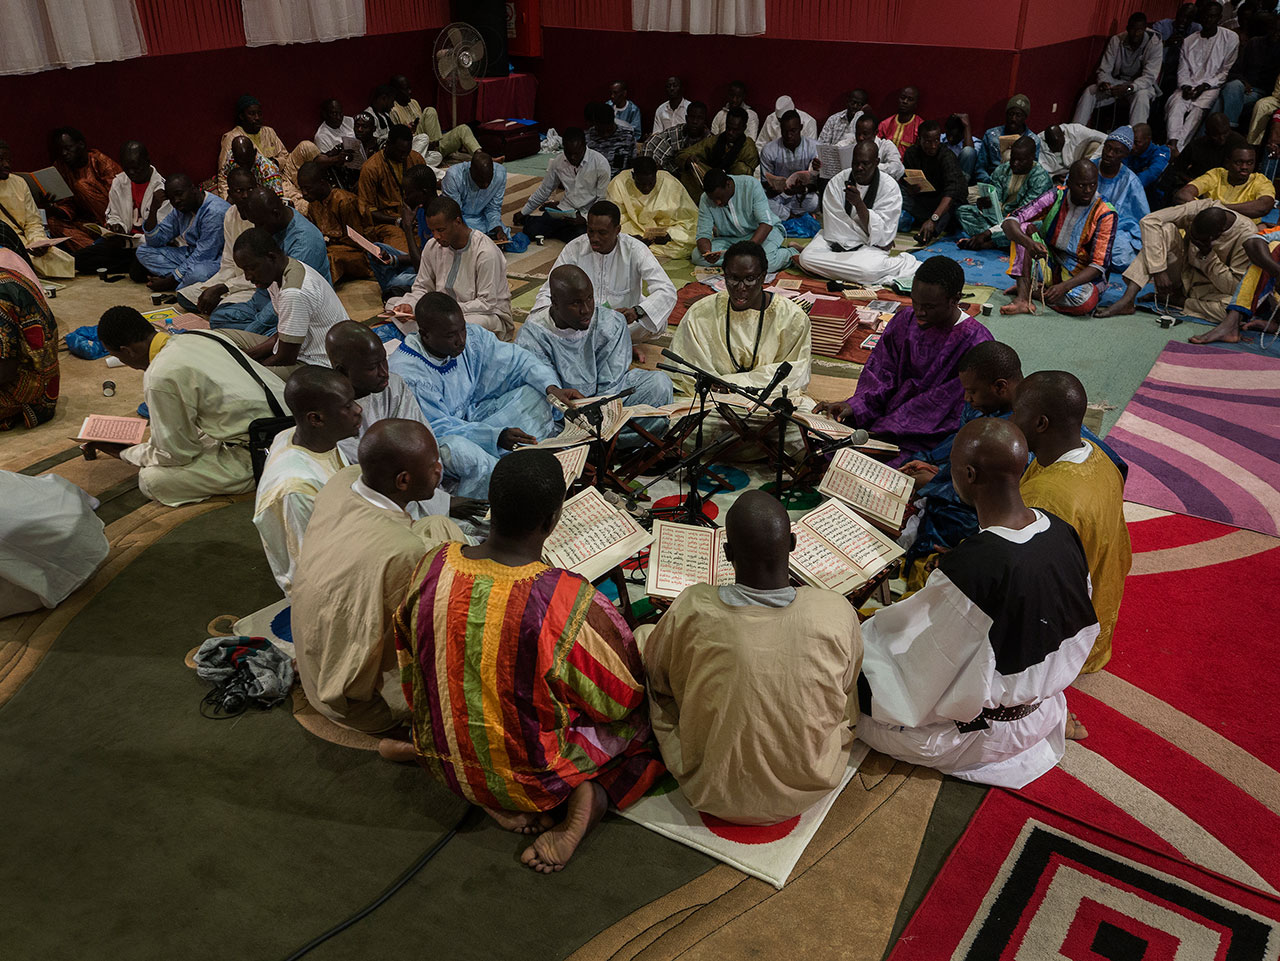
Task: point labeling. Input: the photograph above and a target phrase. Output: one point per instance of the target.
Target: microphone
(859, 437)
(670, 354)
(783, 369)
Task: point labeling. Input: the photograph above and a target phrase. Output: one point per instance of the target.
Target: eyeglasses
(748, 281)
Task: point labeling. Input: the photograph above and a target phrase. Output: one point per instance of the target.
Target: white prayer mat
(768, 852)
(272, 622)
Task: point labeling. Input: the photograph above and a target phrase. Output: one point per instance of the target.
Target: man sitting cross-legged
(1012, 185)
(791, 153)
(1075, 480)
(731, 151)
(380, 186)
(305, 305)
(229, 285)
(196, 221)
(356, 352)
(655, 209)
(1197, 254)
(744, 333)
(620, 267)
(333, 211)
(750, 683)
(201, 402)
(354, 570)
(587, 344)
(967, 674)
(1073, 229)
(733, 209)
(562, 723)
(396, 274)
(482, 396)
(301, 461)
(465, 264)
(860, 211)
(584, 177)
(908, 392)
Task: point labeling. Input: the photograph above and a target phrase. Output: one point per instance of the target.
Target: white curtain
(743, 18)
(43, 34)
(301, 21)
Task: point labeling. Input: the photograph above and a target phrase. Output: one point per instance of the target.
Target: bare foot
(551, 852)
(394, 749)
(1018, 307)
(1228, 332)
(637, 356)
(1122, 306)
(1267, 327)
(975, 243)
(521, 822)
(1075, 730)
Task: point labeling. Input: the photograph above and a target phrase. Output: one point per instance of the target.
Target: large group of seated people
(404, 520)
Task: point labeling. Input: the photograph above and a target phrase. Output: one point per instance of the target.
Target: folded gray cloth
(271, 672)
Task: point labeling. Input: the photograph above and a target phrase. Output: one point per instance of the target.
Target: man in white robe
(201, 401)
(465, 264)
(670, 112)
(51, 541)
(771, 129)
(1206, 59)
(1064, 143)
(356, 352)
(860, 212)
(765, 330)
(625, 276)
(301, 461)
(482, 397)
(967, 674)
(587, 344)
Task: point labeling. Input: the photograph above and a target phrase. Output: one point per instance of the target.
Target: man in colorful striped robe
(525, 687)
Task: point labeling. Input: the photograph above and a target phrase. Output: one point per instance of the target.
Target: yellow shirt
(1089, 496)
(1214, 185)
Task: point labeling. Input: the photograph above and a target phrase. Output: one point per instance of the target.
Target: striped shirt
(306, 307)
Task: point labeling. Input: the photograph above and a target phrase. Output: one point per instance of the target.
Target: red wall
(180, 106)
(578, 65)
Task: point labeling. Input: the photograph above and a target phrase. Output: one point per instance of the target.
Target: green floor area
(150, 832)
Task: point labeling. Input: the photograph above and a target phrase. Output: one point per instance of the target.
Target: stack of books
(832, 322)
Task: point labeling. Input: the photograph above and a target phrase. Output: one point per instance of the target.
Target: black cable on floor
(382, 898)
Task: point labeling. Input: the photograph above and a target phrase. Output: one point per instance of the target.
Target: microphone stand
(592, 415)
(691, 508)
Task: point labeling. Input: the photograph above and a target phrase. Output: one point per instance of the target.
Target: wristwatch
(934, 218)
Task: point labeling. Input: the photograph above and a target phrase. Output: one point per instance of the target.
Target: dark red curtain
(587, 14)
(187, 26)
(401, 16)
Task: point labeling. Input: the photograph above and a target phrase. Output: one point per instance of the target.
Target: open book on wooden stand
(871, 488)
(683, 555)
(593, 536)
(838, 550)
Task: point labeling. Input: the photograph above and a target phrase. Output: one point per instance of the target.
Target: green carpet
(150, 832)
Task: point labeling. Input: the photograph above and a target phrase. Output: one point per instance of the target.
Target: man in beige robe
(750, 684)
(356, 565)
(18, 210)
(465, 264)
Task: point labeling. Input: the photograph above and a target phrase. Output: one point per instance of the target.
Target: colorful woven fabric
(28, 335)
(1074, 241)
(522, 682)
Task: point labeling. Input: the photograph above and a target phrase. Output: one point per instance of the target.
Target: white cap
(783, 104)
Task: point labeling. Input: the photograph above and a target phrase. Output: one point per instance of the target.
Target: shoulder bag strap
(243, 361)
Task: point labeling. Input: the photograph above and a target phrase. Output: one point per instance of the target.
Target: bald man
(587, 344)
(294, 234)
(750, 683)
(1074, 479)
(967, 674)
(186, 246)
(465, 264)
(356, 352)
(354, 569)
(301, 461)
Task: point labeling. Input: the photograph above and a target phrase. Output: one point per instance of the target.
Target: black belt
(1015, 713)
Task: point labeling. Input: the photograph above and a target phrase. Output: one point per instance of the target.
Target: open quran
(683, 555)
(593, 536)
(109, 429)
(838, 550)
(872, 489)
(572, 460)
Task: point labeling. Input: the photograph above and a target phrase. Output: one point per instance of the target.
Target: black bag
(263, 430)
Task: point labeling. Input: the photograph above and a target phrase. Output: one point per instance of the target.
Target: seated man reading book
(908, 393)
(749, 682)
(483, 397)
(201, 401)
(562, 724)
(967, 674)
(353, 571)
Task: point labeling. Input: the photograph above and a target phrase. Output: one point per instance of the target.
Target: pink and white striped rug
(1202, 437)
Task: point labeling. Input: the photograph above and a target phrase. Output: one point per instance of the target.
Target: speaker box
(489, 17)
